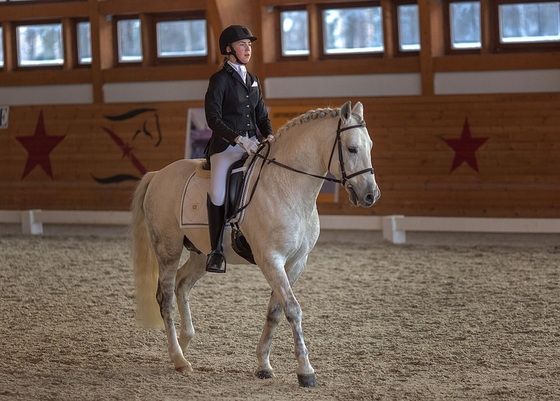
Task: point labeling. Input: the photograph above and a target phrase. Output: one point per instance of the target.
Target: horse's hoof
(264, 374)
(184, 369)
(307, 380)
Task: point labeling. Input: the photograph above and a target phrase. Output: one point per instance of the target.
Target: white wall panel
(163, 91)
(446, 83)
(46, 94)
(343, 85)
(481, 82)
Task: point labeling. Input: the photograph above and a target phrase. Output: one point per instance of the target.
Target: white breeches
(220, 164)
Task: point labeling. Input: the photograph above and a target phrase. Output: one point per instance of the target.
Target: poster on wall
(4, 113)
(198, 134)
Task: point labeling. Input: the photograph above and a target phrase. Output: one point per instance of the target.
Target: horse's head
(354, 156)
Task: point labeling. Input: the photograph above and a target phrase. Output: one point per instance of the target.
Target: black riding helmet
(233, 33)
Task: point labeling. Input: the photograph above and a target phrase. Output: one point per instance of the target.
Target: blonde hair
(224, 61)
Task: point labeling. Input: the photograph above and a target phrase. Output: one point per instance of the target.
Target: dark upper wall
(429, 72)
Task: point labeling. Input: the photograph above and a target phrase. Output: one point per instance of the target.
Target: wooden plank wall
(518, 164)
(517, 167)
(86, 152)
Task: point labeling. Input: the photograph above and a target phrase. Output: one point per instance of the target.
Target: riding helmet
(233, 33)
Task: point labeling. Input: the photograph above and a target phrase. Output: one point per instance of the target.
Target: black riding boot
(216, 221)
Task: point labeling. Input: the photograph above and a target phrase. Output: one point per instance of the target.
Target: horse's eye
(352, 149)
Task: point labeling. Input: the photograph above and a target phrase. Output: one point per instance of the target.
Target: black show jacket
(233, 107)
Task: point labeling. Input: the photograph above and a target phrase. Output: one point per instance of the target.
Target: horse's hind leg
(187, 276)
(168, 254)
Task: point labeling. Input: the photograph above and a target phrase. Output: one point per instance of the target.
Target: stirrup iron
(213, 264)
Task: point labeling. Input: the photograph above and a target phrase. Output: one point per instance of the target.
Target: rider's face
(242, 49)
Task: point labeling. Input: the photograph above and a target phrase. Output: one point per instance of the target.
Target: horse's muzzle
(367, 201)
(373, 198)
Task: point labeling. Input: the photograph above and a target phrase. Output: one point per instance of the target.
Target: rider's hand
(247, 145)
(270, 138)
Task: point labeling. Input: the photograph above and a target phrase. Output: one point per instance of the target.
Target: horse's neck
(306, 146)
(302, 148)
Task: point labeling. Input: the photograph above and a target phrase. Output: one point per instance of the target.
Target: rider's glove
(247, 145)
(270, 138)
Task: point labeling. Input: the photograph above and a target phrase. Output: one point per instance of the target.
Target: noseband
(345, 178)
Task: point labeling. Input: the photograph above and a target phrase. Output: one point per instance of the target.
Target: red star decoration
(465, 147)
(38, 147)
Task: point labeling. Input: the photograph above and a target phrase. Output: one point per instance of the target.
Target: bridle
(345, 177)
(344, 181)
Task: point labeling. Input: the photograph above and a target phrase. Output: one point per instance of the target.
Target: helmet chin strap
(232, 52)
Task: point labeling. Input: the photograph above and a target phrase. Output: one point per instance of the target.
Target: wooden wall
(517, 170)
(90, 148)
(518, 163)
(81, 164)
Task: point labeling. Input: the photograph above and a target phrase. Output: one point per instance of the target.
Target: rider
(234, 110)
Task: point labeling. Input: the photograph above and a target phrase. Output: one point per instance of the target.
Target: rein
(344, 181)
(345, 177)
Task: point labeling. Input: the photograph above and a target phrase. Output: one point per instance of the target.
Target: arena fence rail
(394, 227)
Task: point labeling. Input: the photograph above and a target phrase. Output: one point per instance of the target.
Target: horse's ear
(359, 110)
(346, 111)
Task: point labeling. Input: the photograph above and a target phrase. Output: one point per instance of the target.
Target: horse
(280, 224)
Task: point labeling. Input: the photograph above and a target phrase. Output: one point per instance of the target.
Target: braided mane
(308, 116)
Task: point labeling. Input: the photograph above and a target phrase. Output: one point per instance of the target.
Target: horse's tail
(144, 260)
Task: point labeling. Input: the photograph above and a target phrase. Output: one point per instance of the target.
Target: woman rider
(234, 110)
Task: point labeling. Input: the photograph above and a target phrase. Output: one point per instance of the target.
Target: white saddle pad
(193, 202)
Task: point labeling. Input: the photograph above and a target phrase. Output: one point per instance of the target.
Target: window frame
(176, 16)
(115, 20)
(3, 47)
(396, 33)
(278, 31)
(447, 29)
(14, 43)
(321, 30)
(75, 53)
(521, 47)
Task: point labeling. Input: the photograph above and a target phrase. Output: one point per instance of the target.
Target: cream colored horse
(281, 224)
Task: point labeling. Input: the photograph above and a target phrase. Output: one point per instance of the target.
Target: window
(181, 37)
(529, 22)
(1, 48)
(513, 25)
(129, 40)
(83, 39)
(39, 45)
(352, 30)
(408, 27)
(464, 19)
(294, 33)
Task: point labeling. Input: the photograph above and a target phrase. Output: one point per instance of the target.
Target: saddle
(234, 194)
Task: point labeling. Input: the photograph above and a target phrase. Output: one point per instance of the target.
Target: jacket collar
(230, 69)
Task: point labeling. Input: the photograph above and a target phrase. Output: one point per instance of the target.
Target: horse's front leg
(264, 370)
(274, 313)
(281, 287)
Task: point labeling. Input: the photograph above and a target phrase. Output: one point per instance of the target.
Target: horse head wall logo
(149, 128)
